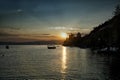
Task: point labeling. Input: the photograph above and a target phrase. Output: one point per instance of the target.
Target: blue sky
(24, 19)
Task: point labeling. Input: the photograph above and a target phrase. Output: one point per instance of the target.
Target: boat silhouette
(7, 47)
(51, 47)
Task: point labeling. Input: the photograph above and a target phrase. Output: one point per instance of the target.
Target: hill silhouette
(106, 35)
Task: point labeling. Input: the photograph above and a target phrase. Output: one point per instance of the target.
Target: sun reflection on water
(64, 66)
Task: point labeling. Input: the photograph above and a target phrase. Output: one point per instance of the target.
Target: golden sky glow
(34, 20)
(64, 35)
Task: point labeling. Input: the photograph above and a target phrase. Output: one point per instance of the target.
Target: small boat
(7, 47)
(51, 47)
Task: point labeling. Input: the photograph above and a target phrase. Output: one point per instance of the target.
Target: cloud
(9, 31)
(64, 28)
(15, 37)
(38, 35)
(45, 34)
(19, 10)
(9, 27)
(4, 34)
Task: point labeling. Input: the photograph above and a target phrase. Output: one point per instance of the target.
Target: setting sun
(64, 35)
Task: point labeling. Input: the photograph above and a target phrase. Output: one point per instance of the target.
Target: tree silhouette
(117, 10)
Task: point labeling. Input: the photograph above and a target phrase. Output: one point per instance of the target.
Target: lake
(36, 62)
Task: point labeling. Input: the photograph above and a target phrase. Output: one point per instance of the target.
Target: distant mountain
(32, 43)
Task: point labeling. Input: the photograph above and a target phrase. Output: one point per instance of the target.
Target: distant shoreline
(32, 43)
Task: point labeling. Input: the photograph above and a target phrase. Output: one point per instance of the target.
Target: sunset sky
(34, 20)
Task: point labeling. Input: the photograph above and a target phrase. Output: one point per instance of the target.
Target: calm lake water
(36, 62)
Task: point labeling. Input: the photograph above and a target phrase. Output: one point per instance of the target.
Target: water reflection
(64, 66)
(64, 63)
